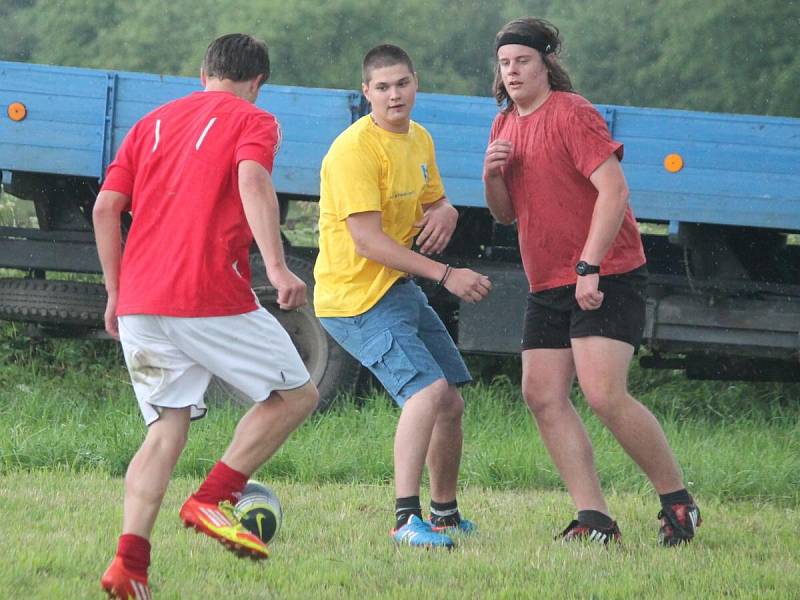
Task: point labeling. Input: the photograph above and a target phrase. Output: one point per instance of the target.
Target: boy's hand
(291, 289)
(586, 292)
(110, 317)
(496, 158)
(437, 226)
(468, 285)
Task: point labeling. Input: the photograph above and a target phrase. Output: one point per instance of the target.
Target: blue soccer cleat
(419, 533)
(463, 526)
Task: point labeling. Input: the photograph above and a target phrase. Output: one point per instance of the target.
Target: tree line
(718, 55)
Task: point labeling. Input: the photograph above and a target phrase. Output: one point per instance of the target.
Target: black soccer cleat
(679, 523)
(576, 531)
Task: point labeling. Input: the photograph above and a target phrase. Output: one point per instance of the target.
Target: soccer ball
(259, 510)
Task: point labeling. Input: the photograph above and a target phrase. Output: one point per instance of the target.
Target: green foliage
(15, 212)
(724, 55)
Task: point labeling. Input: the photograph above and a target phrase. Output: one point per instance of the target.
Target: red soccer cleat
(578, 532)
(679, 523)
(119, 582)
(220, 522)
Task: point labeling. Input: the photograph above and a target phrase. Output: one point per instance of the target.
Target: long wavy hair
(538, 29)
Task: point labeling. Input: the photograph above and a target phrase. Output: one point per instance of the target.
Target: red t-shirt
(186, 254)
(555, 150)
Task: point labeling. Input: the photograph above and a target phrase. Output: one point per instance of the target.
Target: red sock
(134, 551)
(222, 483)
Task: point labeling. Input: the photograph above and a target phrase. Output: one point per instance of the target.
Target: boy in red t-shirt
(195, 174)
(552, 167)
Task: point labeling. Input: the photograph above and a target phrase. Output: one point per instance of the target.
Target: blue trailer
(717, 195)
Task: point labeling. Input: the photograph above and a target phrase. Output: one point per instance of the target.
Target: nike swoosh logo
(259, 518)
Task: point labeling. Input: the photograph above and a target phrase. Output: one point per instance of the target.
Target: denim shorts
(402, 341)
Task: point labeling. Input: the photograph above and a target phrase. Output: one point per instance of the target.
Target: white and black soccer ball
(259, 510)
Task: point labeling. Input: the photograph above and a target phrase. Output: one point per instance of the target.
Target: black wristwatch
(584, 268)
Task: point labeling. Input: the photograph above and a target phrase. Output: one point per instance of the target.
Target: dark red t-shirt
(186, 254)
(555, 150)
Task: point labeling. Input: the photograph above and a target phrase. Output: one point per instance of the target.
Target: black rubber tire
(53, 302)
(332, 370)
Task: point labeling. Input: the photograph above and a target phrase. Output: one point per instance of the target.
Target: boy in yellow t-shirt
(380, 188)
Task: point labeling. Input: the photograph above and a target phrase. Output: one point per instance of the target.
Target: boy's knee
(310, 399)
(434, 395)
(438, 393)
(540, 400)
(301, 401)
(166, 441)
(605, 401)
(451, 404)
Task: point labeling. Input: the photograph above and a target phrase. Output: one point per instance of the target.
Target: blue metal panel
(460, 127)
(310, 120)
(63, 130)
(738, 169)
(609, 115)
(43, 79)
(712, 156)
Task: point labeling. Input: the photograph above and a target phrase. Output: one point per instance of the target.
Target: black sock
(595, 519)
(404, 508)
(445, 514)
(679, 497)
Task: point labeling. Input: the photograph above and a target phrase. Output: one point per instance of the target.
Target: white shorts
(171, 359)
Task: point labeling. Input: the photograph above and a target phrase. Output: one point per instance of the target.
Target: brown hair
(238, 57)
(385, 55)
(543, 34)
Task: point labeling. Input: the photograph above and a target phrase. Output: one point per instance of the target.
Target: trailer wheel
(332, 370)
(72, 304)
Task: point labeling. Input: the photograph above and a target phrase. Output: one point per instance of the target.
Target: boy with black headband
(381, 189)
(552, 167)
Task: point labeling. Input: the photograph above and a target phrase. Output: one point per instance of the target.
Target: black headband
(535, 42)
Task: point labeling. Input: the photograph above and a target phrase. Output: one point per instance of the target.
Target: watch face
(584, 268)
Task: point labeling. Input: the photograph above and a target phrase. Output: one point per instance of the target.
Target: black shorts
(553, 317)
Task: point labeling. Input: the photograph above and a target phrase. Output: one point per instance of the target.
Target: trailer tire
(53, 302)
(332, 370)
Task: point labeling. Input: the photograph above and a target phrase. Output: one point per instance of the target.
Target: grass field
(69, 426)
(334, 545)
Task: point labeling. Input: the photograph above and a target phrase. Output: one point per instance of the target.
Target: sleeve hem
(615, 148)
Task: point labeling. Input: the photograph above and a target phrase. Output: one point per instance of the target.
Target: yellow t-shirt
(369, 169)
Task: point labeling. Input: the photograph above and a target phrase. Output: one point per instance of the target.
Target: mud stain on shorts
(144, 371)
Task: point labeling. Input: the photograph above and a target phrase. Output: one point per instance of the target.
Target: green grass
(70, 425)
(334, 544)
(15, 212)
(86, 419)
(68, 404)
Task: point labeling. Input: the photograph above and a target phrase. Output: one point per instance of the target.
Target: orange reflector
(673, 163)
(17, 111)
